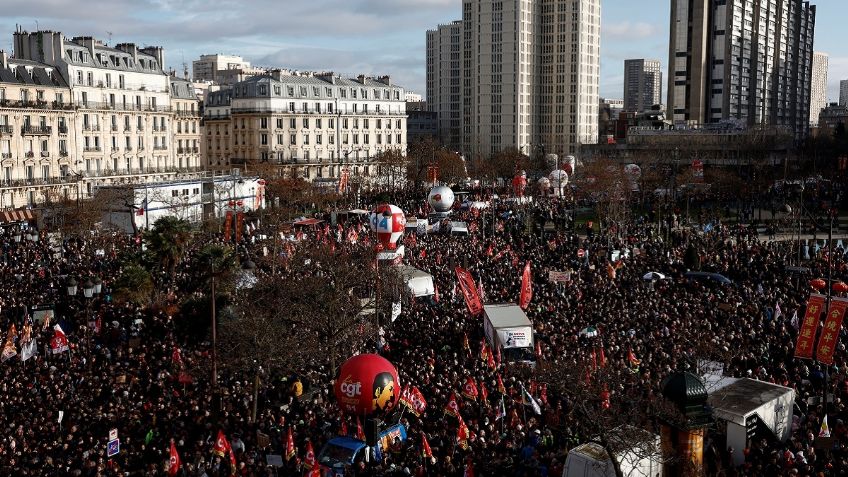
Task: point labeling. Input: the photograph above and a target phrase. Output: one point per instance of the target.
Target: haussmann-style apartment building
(76, 114)
(309, 124)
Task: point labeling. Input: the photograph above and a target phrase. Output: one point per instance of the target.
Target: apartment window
(318, 123)
(279, 123)
(293, 139)
(331, 123)
(139, 124)
(331, 139)
(44, 147)
(263, 123)
(356, 138)
(355, 123)
(114, 163)
(63, 146)
(365, 123)
(330, 108)
(399, 139)
(318, 139)
(121, 81)
(90, 79)
(279, 139)
(79, 77)
(317, 107)
(399, 124)
(343, 92)
(263, 139)
(306, 123)
(292, 123)
(306, 139)
(344, 123)
(366, 138)
(7, 174)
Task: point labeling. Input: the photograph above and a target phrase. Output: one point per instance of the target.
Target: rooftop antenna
(185, 65)
(109, 34)
(36, 26)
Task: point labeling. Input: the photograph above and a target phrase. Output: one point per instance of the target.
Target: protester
(128, 368)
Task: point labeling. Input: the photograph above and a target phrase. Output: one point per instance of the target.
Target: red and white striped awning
(17, 215)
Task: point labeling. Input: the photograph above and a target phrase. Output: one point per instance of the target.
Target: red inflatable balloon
(367, 384)
(840, 287)
(818, 284)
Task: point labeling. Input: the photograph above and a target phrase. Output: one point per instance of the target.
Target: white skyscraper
(444, 76)
(843, 93)
(818, 86)
(529, 75)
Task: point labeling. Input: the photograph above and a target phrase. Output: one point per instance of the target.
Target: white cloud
(628, 30)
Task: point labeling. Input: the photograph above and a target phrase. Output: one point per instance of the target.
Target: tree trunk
(255, 396)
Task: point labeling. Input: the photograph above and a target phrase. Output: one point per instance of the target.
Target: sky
(353, 37)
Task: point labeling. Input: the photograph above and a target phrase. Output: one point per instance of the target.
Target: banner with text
(807, 333)
(830, 333)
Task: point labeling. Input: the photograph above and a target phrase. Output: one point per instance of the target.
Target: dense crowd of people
(128, 367)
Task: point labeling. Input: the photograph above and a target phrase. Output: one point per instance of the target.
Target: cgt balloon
(367, 384)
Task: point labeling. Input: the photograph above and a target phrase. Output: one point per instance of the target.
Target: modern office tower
(444, 77)
(818, 87)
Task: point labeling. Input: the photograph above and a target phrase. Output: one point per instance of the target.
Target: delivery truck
(507, 328)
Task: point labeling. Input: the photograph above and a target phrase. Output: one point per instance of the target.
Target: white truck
(507, 328)
(419, 282)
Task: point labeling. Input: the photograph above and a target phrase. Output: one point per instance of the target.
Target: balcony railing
(7, 103)
(63, 153)
(36, 130)
(30, 154)
(92, 149)
(181, 150)
(122, 107)
(6, 129)
(115, 127)
(91, 127)
(45, 153)
(128, 148)
(63, 129)
(6, 155)
(160, 148)
(185, 113)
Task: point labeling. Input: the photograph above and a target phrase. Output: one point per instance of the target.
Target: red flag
(221, 445)
(462, 433)
(526, 288)
(343, 428)
(176, 356)
(499, 356)
(422, 254)
(602, 358)
(469, 291)
(490, 360)
(309, 460)
(544, 394)
(484, 393)
(538, 350)
(484, 350)
(315, 472)
(436, 293)
(426, 452)
(175, 463)
(290, 450)
(412, 398)
(59, 342)
(465, 345)
(830, 332)
(98, 324)
(470, 389)
(594, 358)
(501, 388)
(632, 359)
(469, 470)
(452, 407)
(807, 334)
(360, 434)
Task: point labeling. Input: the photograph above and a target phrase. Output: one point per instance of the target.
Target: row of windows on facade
(303, 91)
(307, 155)
(345, 123)
(264, 139)
(104, 60)
(26, 96)
(88, 79)
(96, 165)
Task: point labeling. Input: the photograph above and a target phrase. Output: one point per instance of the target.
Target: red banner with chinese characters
(830, 333)
(469, 290)
(239, 225)
(807, 333)
(228, 224)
